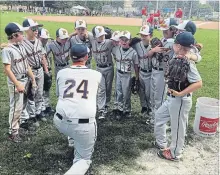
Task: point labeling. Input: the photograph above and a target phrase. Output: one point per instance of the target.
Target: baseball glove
(156, 42)
(134, 41)
(47, 81)
(135, 85)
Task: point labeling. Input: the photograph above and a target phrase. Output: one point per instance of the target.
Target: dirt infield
(115, 21)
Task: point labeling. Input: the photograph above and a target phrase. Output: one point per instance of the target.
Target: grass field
(118, 143)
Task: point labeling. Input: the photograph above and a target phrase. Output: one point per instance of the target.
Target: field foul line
(203, 23)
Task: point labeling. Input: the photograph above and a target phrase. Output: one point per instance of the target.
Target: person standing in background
(179, 15)
(144, 15)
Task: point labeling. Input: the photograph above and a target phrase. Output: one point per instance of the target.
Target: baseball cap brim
(64, 37)
(161, 28)
(143, 33)
(125, 36)
(102, 33)
(114, 38)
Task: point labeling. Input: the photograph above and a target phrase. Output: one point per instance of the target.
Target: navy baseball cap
(31, 23)
(78, 51)
(188, 26)
(14, 28)
(185, 39)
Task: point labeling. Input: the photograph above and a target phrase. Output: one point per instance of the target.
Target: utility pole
(190, 11)
(157, 6)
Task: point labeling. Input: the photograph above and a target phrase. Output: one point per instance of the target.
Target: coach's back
(76, 90)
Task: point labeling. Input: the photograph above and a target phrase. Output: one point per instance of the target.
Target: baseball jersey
(125, 59)
(60, 52)
(35, 52)
(75, 40)
(102, 51)
(76, 90)
(16, 56)
(144, 62)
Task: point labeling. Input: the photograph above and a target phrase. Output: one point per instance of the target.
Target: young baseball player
(17, 69)
(182, 79)
(60, 50)
(159, 56)
(126, 59)
(101, 49)
(36, 59)
(115, 39)
(43, 36)
(76, 90)
(190, 26)
(80, 37)
(142, 48)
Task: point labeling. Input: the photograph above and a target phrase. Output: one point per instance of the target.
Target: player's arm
(136, 65)
(19, 86)
(194, 56)
(44, 63)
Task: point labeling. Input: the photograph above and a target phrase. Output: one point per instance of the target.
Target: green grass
(118, 143)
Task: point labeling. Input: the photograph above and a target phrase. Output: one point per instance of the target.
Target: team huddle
(162, 72)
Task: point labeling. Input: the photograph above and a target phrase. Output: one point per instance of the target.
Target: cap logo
(80, 22)
(116, 33)
(164, 25)
(64, 32)
(125, 32)
(99, 29)
(143, 28)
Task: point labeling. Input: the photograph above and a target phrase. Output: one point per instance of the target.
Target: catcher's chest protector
(176, 74)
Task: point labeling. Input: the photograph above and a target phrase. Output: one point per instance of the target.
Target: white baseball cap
(168, 23)
(115, 36)
(80, 23)
(43, 33)
(125, 34)
(182, 25)
(99, 31)
(62, 33)
(145, 30)
(31, 23)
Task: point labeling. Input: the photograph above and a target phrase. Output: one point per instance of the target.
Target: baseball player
(80, 37)
(190, 26)
(77, 88)
(115, 39)
(159, 56)
(36, 59)
(101, 49)
(60, 50)
(17, 69)
(43, 36)
(182, 79)
(126, 59)
(142, 48)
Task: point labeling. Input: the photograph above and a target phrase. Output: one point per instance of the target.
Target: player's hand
(159, 49)
(174, 93)
(20, 88)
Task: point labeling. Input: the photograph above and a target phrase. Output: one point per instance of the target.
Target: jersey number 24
(82, 88)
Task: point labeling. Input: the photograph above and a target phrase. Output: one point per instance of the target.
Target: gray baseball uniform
(46, 94)
(76, 108)
(125, 61)
(75, 39)
(35, 53)
(115, 92)
(158, 86)
(176, 110)
(104, 64)
(60, 54)
(144, 74)
(16, 56)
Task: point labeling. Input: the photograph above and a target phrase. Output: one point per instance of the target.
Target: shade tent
(79, 7)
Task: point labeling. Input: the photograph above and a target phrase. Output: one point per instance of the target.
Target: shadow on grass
(117, 143)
